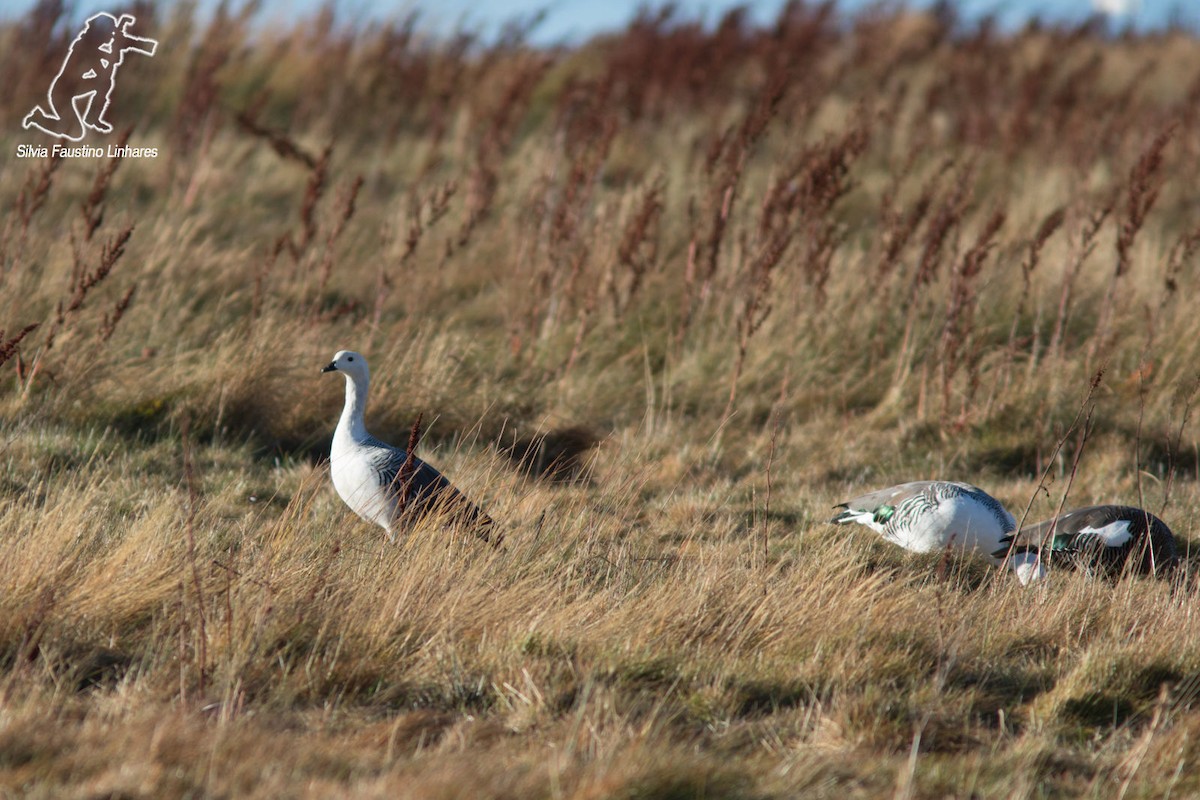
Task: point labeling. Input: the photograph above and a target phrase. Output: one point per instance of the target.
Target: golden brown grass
(864, 255)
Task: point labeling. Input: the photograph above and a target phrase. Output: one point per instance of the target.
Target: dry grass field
(663, 298)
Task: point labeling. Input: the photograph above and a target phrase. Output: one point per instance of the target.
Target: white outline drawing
(90, 70)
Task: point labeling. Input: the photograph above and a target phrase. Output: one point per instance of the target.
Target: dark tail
(483, 526)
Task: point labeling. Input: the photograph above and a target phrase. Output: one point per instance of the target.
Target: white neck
(352, 423)
(1028, 567)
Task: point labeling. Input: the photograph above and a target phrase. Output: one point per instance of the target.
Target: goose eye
(349, 358)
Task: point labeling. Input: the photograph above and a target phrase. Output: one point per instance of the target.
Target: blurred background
(572, 21)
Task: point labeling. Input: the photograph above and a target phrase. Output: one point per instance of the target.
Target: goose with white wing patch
(372, 477)
(1100, 540)
(926, 516)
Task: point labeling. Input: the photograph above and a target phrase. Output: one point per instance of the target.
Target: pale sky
(573, 20)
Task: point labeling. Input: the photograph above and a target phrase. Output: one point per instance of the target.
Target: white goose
(368, 473)
(925, 516)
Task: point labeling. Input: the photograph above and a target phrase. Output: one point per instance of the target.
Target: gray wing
(426, 489)
(891, 496)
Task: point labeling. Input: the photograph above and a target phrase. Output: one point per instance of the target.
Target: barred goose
(926, 516)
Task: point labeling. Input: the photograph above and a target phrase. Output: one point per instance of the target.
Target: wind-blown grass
(887, 250)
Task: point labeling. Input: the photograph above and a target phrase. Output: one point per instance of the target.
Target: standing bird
(1099, 540)
(926, 516)
(380, 482)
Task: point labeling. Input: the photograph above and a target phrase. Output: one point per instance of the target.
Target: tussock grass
(662, 300)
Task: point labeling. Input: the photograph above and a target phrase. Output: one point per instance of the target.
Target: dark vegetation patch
(98, 668)
(557, 455)
(765, 697)
(689, 782)
(1000, 689)
(1097, 710)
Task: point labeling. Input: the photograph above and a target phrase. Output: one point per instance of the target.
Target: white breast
(358, 485)
(959, 522)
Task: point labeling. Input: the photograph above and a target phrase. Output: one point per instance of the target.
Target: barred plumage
(925, 516)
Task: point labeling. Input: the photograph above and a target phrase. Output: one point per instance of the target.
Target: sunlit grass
(578, 258)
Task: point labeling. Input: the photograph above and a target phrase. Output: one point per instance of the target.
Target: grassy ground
(729, 279)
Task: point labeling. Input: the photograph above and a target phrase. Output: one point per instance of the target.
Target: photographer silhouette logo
(82, 90)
